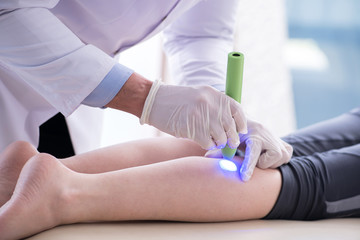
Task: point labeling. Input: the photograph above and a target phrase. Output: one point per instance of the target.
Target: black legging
(55, 138)
(322, 180)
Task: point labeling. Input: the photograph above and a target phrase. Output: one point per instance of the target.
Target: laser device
(234, 79)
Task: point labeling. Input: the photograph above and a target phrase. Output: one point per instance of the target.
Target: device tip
(228, 165)
(228, 155)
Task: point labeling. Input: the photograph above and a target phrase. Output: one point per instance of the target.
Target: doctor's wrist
(132, 95)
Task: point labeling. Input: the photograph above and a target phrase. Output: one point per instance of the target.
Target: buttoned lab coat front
(54, 53)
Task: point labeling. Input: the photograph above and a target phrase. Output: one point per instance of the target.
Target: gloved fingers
(207, 144)
(288, 151)
(270, 159)
(232, 136)
(238, 116)
(229, 126)
(275, 157)
(252, 153)
(219, 137)
(215, 153)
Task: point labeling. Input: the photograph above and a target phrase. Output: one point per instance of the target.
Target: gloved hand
(201, 113)
(261, 148)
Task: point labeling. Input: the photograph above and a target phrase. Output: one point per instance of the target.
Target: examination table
(243, 230)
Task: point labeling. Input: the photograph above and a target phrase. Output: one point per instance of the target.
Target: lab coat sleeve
(47, 56)
(198, 42)
(109, 86)
(6, 5)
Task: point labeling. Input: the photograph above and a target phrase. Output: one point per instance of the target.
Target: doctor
(56, 56)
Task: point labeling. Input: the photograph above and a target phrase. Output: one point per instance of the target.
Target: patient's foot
(12, 160)
(36, 202)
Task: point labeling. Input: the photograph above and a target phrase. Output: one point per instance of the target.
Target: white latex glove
(261, 148)
(200, 113)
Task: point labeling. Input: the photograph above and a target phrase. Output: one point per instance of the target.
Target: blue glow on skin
(228, 165)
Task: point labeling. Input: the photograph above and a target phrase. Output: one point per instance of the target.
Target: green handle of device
(234, 79)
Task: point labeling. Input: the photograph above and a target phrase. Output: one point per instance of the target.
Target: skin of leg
(187, 189)
(120, 156)
(32, 201)
(12, 160)
(192, 189)
(134, 153)
(124, 155)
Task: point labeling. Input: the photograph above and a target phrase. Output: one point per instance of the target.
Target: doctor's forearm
(132, 95)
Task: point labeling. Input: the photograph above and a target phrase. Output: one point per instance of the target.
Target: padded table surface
(242, 230)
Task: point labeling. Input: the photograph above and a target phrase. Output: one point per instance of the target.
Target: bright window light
(305, 54)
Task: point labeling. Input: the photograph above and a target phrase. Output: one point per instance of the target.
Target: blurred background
(302, 65)
(323, 55)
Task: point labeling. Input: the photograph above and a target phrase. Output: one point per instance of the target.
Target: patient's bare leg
(132, 154)
(120, 156)
(12, 160)
(187, 189)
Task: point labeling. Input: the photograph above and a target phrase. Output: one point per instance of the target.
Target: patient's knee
(22, 148)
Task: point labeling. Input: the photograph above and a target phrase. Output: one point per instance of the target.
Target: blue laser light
(228, 165)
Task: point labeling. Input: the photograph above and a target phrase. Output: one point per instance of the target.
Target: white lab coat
(53, 53)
